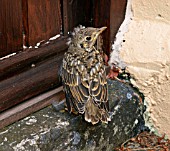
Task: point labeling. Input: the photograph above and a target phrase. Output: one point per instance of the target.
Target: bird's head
(85, 38)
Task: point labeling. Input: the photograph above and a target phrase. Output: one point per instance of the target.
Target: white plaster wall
(146, 53)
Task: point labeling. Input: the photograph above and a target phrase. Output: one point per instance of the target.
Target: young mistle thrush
(84, 76)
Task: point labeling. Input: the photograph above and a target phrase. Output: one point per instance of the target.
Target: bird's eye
(88, 38)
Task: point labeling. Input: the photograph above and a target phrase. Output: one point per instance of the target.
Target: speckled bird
(84, 76)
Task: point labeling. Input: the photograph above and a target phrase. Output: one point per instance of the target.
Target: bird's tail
(94, 114)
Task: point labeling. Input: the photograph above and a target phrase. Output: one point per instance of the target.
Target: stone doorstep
(51, 130)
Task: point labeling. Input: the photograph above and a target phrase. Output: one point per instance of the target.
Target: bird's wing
(98, 90)
(76, 89)
(79, 87)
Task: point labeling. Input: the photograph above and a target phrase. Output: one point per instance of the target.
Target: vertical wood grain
(42, 21)
(75, 13)
(117, 15)
(19, 80)
(10, 27)
(109, 13)
(101, 17)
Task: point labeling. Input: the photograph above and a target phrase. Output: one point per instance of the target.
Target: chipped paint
(115, 59)
(38, 44)
(55, 37)
(8, 56)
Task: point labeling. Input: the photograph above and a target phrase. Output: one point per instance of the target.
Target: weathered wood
(30, 106)
(40, 74)
(10, 27)
(65, 19)
(109, 13)
(23, 60)
(25, 22)
(101, 17)
(117, 15)
(30, 83)
(42, 21)
(34, 71)
(76, 12)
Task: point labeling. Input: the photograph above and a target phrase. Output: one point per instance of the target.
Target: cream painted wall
(146, 53)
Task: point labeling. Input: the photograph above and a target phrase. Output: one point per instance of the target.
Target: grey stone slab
(51, 130)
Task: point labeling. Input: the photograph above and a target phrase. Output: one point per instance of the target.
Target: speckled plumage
(84, 77)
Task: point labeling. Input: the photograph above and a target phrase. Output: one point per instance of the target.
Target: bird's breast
(84, 63)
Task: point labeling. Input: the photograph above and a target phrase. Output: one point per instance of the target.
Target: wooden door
(29, 61)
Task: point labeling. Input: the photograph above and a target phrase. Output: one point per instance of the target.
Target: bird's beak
(97, 32)
(100, 30)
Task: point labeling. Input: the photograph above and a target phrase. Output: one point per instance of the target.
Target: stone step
(53, 130)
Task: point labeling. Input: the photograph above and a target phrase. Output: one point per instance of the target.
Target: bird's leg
(72, 110)
(69, 106)
(62, 107)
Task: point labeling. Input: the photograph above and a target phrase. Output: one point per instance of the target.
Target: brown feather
(84, 77)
